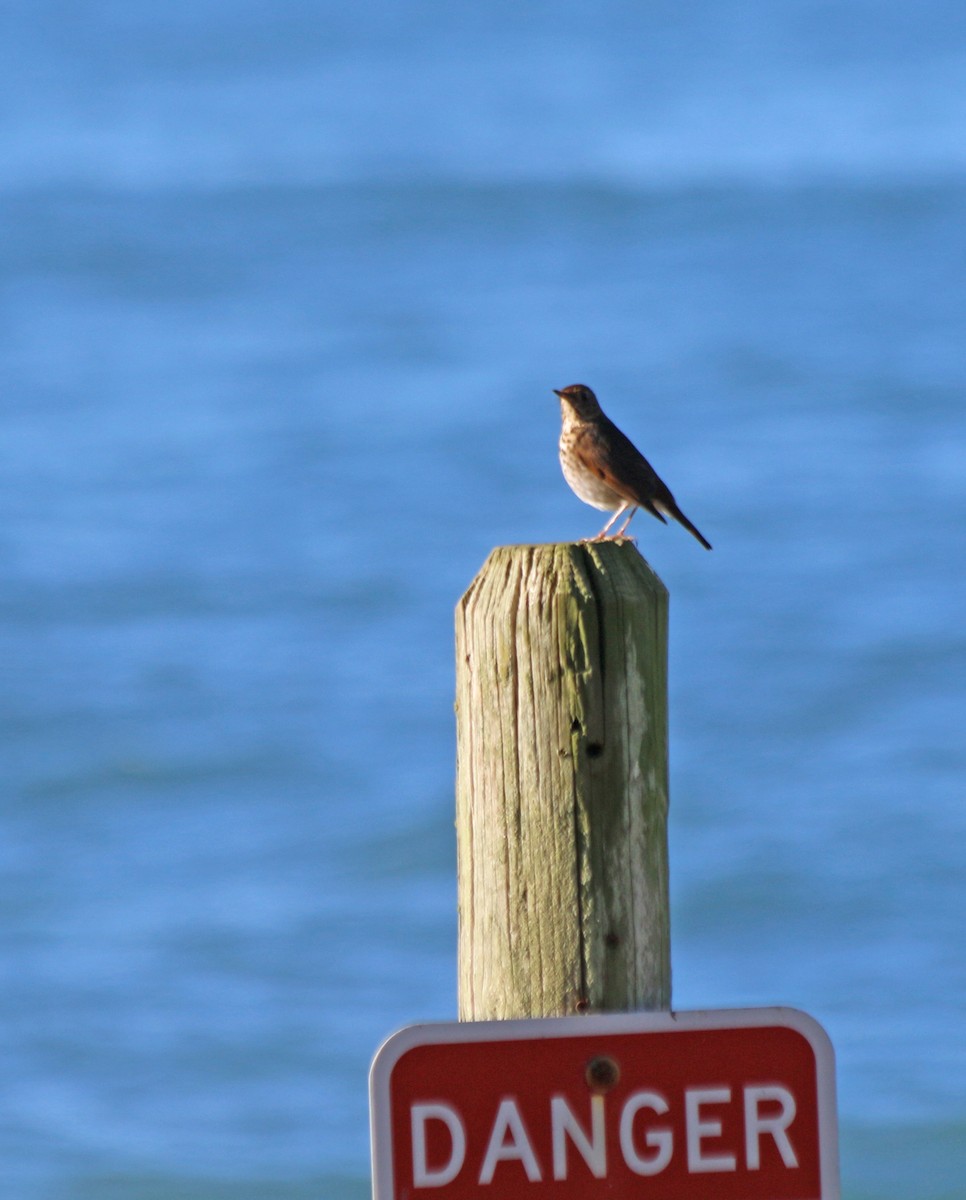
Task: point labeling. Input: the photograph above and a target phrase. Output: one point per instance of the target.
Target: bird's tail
(679, 516)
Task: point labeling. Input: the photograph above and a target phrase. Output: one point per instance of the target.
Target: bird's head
(580, 399)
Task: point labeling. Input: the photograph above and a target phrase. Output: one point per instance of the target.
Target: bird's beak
(556, 393)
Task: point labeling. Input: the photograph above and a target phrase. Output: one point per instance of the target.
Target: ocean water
(284, 290)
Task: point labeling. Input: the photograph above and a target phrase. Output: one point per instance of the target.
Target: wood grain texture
(562, 787)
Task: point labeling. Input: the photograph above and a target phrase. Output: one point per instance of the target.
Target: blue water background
(284, 288)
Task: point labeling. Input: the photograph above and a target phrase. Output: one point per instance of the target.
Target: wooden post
(562, 785)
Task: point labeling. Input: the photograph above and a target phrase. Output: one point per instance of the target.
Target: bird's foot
(608, 537)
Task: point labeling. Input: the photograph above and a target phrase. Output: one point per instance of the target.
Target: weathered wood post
(562, 783)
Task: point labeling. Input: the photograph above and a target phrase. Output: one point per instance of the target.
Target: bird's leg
(630, 515)
(602, 536)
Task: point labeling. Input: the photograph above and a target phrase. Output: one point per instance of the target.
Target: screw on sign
(733, 1105)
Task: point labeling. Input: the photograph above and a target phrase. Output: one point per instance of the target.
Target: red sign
(730, 1105)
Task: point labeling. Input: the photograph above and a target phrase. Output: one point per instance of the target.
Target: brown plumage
(606, 469)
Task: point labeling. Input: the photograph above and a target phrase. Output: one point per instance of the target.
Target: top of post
(616, 562)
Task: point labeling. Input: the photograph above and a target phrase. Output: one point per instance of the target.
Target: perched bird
(606, 470)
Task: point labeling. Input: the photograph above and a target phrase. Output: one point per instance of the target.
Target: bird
(604, 468)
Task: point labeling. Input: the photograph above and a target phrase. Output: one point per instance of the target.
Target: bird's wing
(619, 464)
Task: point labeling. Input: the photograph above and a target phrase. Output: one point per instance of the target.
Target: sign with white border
(733, 1104)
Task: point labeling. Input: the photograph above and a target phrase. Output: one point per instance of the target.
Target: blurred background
(284, 290)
